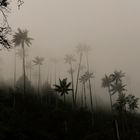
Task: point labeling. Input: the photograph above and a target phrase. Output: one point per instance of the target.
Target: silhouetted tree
(88, 76)
(70, 59)
(21, 38)
(29, 68)
(132, 102)
(83, 80)
(117, 76)
(106, 83)
(63, 88)
(5, 29)
(55, 61)
(80, 51)
(38, 61)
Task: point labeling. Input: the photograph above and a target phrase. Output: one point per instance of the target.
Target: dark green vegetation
(29, 116)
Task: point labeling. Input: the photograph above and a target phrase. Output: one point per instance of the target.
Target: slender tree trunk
(72, 84)
(15, 69)
(38, 80)
(90, 89)
(24, 71)
(51, 78)
(96, 100)
(77, 80)
(64, 99)
(30, 71)
(91, 101)
(55, 72)
(117, 130)
(85, 98)
(82, 96)
(89, 81)
(111, 103)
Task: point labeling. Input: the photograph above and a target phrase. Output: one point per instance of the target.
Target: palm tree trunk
(38, 80)
(91, 101)
(30, 71)
(85, 98)
(90, 89)
(82, 96)
(55, 72)
(64, 99)
(24, 71)
(15, 69)
(111, 103)
(72, 84)
(77, 80)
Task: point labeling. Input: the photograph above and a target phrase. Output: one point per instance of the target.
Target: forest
(61, 107)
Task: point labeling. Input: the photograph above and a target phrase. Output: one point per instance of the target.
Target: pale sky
(110, 27)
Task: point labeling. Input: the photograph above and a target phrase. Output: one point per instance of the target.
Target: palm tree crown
(119, 87)
(38, 60)
(106, 81)
(118, 75)
(63, 87)
(21, 37)
(69, 59)
(132, 102)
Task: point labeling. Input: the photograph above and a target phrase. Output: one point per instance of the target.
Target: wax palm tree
(70, 59)
(15, 67)
(63, 88)
(80, 51)
(120, 104)
(38, 61)
(87, 49)
(106, 83)
(117, 88)
(118, 75)
(55, 61)
(21, 38)
(88, 76)
(29, 68)
(83, 80)
(132, 102)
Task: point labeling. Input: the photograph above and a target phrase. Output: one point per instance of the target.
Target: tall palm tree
(106, 83)
(15, 67)
(80, 51)
(55, 61)
(38, 61)
(87, 49)
(29, 69)
(63, 88)
(21, 38)
(70, 59)
(83, 80)
(88, 76)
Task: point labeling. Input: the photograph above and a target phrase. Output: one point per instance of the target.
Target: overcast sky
(110, 27)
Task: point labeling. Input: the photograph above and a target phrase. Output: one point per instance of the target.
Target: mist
(110, 28)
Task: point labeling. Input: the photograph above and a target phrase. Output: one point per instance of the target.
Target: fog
(110, 27)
